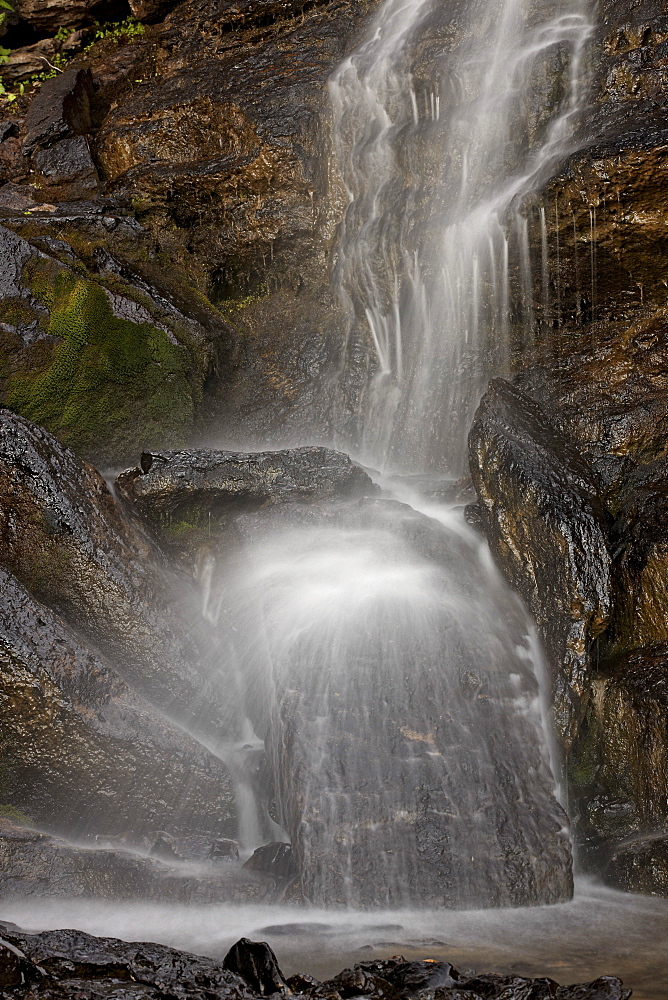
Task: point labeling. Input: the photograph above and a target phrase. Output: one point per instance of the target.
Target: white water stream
(433, 265)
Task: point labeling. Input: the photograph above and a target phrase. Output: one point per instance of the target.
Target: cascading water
(434, 176)
(384, 663)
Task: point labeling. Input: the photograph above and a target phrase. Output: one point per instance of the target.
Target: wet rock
(547, 530)
(148, 10)
(618, 763)
(81, 752)
(197, 488)
(81, 962)
(38, 865)
(68, 166)
(8, 129)
(24, 62)
(641, 559)
(50, 15)
(224, 849)
(394, 769)
(60, 110)
(66, 539)
(12, 966)
(123, 351)
(640, 866)
(256, 964)
(359, 982)
(275, 859)
(610, 399)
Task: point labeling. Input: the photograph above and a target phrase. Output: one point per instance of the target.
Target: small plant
(125, 31)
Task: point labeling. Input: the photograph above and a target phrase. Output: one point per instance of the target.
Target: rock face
(380, 681)
(66, 539)
(82, 966)
(547, 529)
(93, 346)
(81, 753)
(35, 864)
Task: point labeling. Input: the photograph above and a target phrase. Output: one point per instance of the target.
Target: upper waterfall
(438, 137)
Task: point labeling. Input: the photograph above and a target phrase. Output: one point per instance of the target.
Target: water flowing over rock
(400, 710)
(547, 529)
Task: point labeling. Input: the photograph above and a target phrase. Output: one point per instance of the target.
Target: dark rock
(60, 110)
(640, 866)
(224, 849)
(618, 764)
(359, 982)
(256, 964)
(68, 164)
(409, 978)
(81, 752)
(8, 130)
(149, 10)
(547, 530)
(13, 966)
(50, 15)
(301, 982)
(197, 488)
(66, 539)
(85, 962)
(641, 559)
(38, 865)
(275, 859)
(24, 62)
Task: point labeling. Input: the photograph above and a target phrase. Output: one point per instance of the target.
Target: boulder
(275, 859)
(60, 110)
(24, 62)
(548, 532)
(66, 539)
(38, 865)
(196, 489)
(640, 866)
(256, 964)
(81, 752)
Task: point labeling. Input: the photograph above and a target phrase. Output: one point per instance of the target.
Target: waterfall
(434, 184)
(386, 666)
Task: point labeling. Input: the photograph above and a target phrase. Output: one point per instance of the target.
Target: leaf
(7, 6)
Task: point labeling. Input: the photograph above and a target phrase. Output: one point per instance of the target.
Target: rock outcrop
(547, 529)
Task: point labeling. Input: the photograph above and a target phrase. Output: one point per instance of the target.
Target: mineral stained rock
(547, 530)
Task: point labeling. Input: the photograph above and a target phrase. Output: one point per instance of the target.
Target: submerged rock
(81, 752)
(548, 532)
(275, 859)
(398, 709)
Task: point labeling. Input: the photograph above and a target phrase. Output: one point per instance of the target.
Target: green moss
(16, 312)
(105, 379)
(11, 812)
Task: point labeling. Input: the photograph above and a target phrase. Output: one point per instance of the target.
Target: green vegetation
(101, 379)
(11, 812)
(118, 31)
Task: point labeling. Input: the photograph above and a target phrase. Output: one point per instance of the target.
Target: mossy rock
(102, 384)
